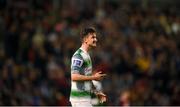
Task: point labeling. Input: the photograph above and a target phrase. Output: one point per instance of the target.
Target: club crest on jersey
(77, 62)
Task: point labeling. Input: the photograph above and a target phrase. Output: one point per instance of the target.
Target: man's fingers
(99, 72)
(103, 99)
(103, 94)
(103, 75)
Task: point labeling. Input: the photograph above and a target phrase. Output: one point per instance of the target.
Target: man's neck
(85, 47)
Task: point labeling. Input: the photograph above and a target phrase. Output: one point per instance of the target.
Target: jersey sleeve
(76, 64)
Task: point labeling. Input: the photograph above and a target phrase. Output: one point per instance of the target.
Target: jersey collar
(83, 50)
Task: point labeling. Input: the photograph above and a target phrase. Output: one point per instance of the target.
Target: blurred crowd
(138, 48)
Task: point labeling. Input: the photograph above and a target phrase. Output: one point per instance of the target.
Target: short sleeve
(76, 64)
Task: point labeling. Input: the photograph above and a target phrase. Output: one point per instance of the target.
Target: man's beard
(94, 44)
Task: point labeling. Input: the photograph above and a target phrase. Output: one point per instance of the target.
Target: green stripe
(80, 94)
(87, 63)
(77, 54)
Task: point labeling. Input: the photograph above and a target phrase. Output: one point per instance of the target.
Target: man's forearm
(78, 77)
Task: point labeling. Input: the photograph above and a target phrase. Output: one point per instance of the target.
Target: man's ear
(85, 38)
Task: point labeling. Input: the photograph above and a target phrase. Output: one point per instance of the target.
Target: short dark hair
(84, 32)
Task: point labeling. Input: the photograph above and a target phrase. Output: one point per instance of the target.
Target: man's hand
(102, 97)
(98, 76)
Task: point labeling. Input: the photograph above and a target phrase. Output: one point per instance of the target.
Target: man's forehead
(92, 34)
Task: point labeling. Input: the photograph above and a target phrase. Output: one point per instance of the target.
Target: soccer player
(81, 72)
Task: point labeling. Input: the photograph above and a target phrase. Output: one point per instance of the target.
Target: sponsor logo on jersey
(88, 70)
(77, 62)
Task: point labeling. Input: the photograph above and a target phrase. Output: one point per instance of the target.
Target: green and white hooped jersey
(81, 64)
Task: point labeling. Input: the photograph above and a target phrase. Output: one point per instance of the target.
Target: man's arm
(79, 77)
(98, 91)
(76, 64)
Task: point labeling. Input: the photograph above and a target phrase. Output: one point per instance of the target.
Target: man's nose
(95, 39)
